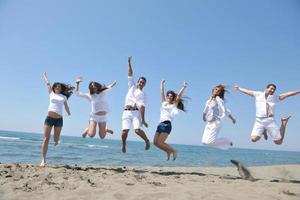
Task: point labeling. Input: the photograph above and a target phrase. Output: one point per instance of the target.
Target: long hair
(180, 104)
(222, 91)
(100, 87)
(66, 89)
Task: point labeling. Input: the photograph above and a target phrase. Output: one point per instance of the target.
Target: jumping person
(213, 114)
(265, 105)
(59, 93)
(99, 107)
(134, 111)
(169, 108)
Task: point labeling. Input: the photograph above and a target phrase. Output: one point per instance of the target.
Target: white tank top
(167, 111)
(56, 103)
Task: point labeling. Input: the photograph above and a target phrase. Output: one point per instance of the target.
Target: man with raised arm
(134, 110)
(265, 105)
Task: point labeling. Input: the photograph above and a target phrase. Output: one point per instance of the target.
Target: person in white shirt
(99, 108)
(59, 93)
(134, 111)
(169, 108)
(265, 105)
(213, 114)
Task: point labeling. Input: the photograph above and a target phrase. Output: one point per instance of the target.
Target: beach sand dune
(23, 181)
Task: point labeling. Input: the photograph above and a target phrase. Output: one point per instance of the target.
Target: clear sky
(205, 42)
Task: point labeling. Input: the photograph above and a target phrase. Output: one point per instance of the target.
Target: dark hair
(222, 90)
(271, 84)
(66, 89)
(143, 79)
(100, 87)
(180, 104)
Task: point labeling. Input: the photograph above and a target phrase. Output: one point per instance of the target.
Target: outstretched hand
(185, 84)
(129, 59)
(79, 79)
(236, 87)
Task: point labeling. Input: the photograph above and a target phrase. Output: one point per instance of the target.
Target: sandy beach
(26, 181)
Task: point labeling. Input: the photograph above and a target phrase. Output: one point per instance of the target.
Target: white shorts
(268, 124)
(131, 117)
(98, 118)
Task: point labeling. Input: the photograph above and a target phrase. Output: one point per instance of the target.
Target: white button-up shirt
(134, 96)
(262, 104)
(215, 110)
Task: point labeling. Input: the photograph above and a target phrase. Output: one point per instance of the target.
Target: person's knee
(46, 139)
(254, 138)
(137, 131)
(278, 142)
(125, 132)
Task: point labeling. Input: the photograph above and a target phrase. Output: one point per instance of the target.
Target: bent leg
(92, 128)
(57, 131)
(124, 138)
(47, 131)
(164, 146)
(284, 122)
(102, 129)
(142, 134)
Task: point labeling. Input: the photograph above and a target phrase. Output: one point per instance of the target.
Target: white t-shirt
(98, 101)
(56, 103)
(215, 109)
(167, 111)
(134, 96)
(261, 104)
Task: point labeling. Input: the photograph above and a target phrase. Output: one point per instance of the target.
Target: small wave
(9, 138)
(90, 145)
(98, 146)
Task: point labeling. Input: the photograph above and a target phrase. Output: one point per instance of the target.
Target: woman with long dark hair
(59, 94)
(213, 114)
(99, 107)
(169, 108)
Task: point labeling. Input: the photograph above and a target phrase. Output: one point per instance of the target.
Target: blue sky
(205, 42)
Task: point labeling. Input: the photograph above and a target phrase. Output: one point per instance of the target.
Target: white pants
(98, 118)
(210, 135)
(131, 117)
(268, 124)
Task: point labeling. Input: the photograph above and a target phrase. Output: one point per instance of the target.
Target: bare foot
(43, 163)
(265, 134)
(174, 155)
(285, 120)
(84, 134)
(56, 143)
(147, 147)
(123, 148)
(231, 144)
(168, 156)
(109, 131)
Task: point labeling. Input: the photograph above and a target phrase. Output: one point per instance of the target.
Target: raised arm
(180, 93)
(112, 85)
(78, 80)
(130, 72)
(162, 91)
(288, 94)
(243, 90)
(47, 82)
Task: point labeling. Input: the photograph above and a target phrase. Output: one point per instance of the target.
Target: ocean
(20, 147)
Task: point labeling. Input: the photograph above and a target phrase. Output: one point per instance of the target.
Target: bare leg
(284, 122)
(57, 131)
(85, 132)
(142, 134)
(155, 142)
(164, 146)
(102, 129)
(124, 138)
(47, 131)
(92, 129)
(255, 138)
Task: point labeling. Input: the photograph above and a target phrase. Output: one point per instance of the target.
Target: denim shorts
(56, 122)
(164, 127)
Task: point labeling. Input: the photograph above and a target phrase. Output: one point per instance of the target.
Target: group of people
(171, 102)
